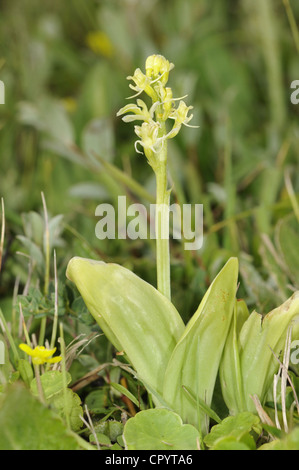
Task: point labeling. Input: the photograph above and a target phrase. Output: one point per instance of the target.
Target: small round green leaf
(159, 429)
(233, 428)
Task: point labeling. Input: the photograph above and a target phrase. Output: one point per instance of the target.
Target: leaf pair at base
(168, 356)
(179, 364)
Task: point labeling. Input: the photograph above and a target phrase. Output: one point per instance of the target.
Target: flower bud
(157, 67)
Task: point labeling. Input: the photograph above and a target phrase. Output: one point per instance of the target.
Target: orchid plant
(177, 363)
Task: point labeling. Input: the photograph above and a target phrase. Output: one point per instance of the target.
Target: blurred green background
(64, 66)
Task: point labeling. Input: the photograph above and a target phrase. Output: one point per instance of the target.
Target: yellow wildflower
(99, 43)
(69, 104)
(148, 133)
(40, 355)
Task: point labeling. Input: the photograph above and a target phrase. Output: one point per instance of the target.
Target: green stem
(46, 247)
(270, 47)
(42, 331)
(43, 323)
(162, 229)
(64, 378)
(5, 329)
(55, 321)
(292, 22)
(39, 384)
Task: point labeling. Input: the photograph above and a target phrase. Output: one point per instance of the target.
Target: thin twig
(283, 371)
(89, 377)
(22, 321)
(43, 323)
(284, 375)
(90, 426)
(275, 383)
(264, 417)
(292, 22)
(290, 382)
(55, 321)
(64, 379)
(46, 245)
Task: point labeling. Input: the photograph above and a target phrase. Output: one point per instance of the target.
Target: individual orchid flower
(167, 101)
(142, 83)
(149, 139)
(140, 112)
(180, 116)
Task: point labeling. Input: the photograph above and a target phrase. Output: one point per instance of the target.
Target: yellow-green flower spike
(153, 135)
(152, 138)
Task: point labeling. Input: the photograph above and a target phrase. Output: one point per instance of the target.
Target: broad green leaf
(135, 317)
(159, 429)
(260, 337)
(289, 442)
(195, 360)
(200, 404)
(52, 383)
(68, 404)
(97, 401)
(277, 444)
(28, 425)
(111, 428)
(236, 428)
(102, 439)
(230, 370)
(231, 443)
